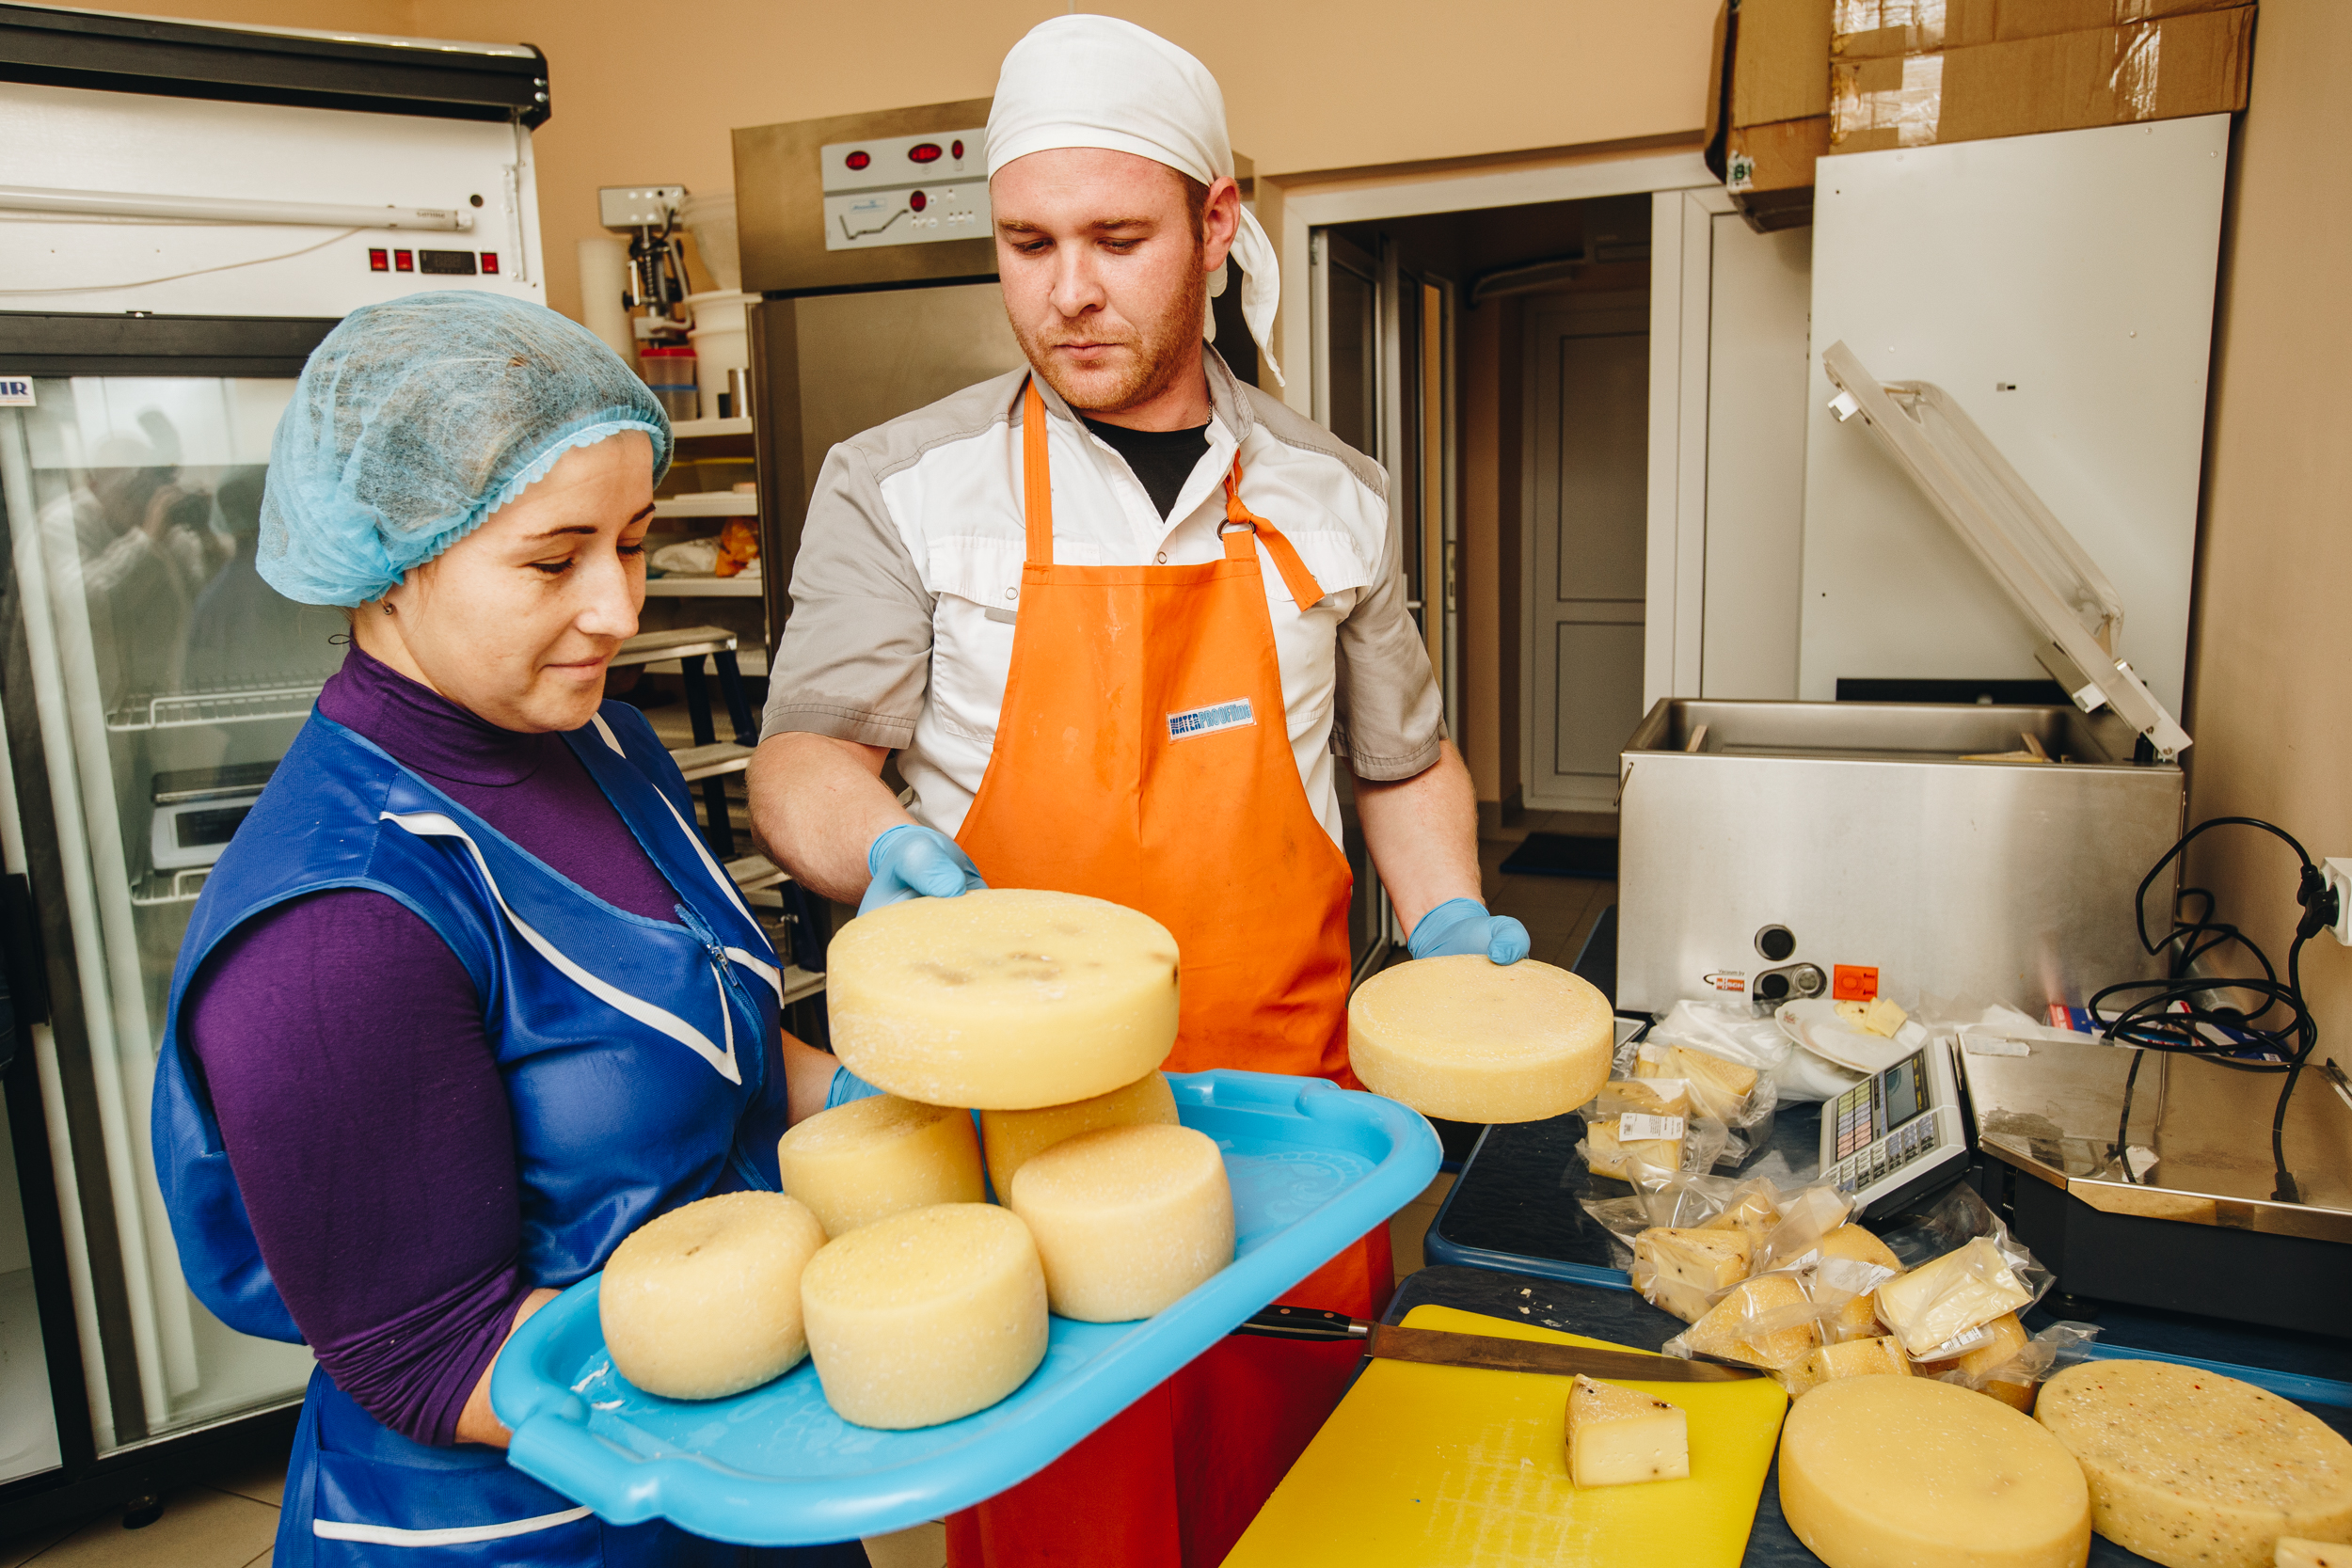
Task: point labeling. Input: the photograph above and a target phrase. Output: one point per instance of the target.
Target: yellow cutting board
(1427, 1467)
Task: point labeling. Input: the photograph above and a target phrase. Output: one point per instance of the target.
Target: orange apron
(1143, 755)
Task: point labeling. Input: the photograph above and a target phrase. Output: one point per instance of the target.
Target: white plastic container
(722, 342)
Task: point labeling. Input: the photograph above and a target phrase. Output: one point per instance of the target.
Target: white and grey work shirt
(908, 584)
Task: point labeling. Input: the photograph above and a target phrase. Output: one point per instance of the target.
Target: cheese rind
(1466, 1038)
(873, 1158)
(1605, 1156)
(2292, 1552)
(1011, 1138)
(2188, 1467)
(1619, 1438)
(1003, 998)
(705, 1301)
(1707, 1261)
(1127, 1219)
(1937, 1302)
(927, 1316)
(1763, 1321)
(1904, 1472)
(1852, 1242)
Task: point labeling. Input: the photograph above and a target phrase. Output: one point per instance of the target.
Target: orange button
(1853, 982)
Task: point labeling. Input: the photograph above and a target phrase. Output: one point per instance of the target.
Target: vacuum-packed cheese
(1904, 1472)
(1609, 1154)
(1879, 1357)
(1851, 1242)
(1011, 1138)
(1004, 998)
(1473, 1040)
(705, 1301)
(1706, 1260)
(927, 1316)
(2009, 1337)
(1753, 1215)
(2188, 1468)
(2295, 1553)
(1718, 1087)
(1127, 1219)
(1937, 1302)
(1653, 1097)
(871, 1159)
(1764, 1321)
(1617, 1437)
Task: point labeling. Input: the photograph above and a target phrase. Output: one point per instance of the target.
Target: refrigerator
(191, 210)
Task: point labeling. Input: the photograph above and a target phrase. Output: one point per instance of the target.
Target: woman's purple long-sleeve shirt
(357, 1095)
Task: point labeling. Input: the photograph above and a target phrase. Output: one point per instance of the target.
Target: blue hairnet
(416, 418)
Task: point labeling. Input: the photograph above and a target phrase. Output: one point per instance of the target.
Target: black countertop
(1623, 1318)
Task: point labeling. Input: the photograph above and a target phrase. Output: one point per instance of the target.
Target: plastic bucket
(722, 342)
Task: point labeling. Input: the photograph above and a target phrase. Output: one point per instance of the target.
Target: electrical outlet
(2338, 872)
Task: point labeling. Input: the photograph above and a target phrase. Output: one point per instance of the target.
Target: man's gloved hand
(911, 862)
(1463, 926)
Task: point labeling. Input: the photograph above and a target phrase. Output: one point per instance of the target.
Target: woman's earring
(388, 607)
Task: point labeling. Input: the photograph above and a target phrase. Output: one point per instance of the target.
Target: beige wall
(1310, 85)
(2271, 685)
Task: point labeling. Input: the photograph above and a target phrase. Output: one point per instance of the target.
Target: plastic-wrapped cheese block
(1764, 1321)
(927, 1316)
(1617, 1437)
(2190, 1468)
(1005, 998)
(2295, 1553)
(1937, 1302)
(1755, 1215)
(1127, 1219)
(1606, 1154)
(1011, 1138)
(2008, 1337)
(1852, 1242)
(1877, 1472)
(705, 1301)
(1879, 1357)
(1709, 1260)
(1718, 1087)
(874, 1158)
(1472, 1040)
(1649, 1097)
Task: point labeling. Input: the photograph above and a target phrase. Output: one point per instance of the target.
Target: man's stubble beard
(1161, 356)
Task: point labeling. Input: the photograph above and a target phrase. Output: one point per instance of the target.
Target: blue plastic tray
(1313, 1168)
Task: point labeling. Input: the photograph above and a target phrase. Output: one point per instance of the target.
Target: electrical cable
(2184, 1014)
(174, 277)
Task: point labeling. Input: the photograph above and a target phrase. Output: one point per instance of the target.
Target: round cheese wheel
(1005, 998)
(705, 1301)
(1127, 1219)
(1905, 1472)
(2190, 1468)
(1471, 1040)
(873, 1158)
(1012, 1138)
(926, 1316)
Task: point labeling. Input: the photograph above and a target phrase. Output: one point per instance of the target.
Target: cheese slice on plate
(2195, 1470)
(1617, 1437)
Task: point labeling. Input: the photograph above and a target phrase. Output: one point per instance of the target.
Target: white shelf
(708, 504)
(687, 429)
(702, 587)
(186, 710)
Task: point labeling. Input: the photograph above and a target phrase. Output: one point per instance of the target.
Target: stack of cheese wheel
(1471, 1040)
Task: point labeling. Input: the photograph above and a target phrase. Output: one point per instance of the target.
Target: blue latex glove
(908, 862)
(1463, 926)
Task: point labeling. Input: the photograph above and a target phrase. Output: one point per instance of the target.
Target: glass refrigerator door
(154, 684)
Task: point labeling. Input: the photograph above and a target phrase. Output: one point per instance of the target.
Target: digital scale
(1896, 1134)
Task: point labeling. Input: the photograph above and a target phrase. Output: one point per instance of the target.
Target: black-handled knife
(1489, 1352)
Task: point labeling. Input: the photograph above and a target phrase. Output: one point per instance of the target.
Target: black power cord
(2186, 1013)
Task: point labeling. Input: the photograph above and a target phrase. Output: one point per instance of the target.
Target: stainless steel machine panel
(1859, 830)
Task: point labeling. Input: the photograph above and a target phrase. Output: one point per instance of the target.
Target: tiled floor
(229, 1522)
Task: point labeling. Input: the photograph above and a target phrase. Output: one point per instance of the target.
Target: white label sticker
(1634, 1127)
(16, 391)
(1742, 172)
(1208, 721)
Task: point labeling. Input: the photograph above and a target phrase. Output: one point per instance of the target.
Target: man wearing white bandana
(1118, 615)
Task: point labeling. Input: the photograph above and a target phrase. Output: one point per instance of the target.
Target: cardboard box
(1775, 157)
(1779, 60)
(1875, 29)
(2191, 64)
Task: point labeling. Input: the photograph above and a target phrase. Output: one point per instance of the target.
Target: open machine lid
(2006, 525)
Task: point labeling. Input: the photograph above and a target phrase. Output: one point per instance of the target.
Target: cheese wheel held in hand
(870, 1158)
(1012, 1138)
(1004, 998)
(927, 1316)
(1472, 1040)
(705, 1301)
(1126, 1219)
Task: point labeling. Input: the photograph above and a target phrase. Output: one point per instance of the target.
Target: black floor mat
(1563, 855)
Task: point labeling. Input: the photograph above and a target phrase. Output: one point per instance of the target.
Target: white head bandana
(1095, 81)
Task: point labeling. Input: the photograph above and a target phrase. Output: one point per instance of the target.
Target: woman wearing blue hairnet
(466, 1001)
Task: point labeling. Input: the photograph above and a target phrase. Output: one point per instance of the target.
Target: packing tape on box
(1919, 22)
(1911, 111)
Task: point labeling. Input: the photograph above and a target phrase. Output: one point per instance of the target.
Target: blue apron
(640, 1059)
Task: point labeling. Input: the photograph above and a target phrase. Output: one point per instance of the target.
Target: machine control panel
(906, 190)
(1896, 1134)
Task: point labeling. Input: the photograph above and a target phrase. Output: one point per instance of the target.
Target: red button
(490, 262)
(404, 261)
(379, 260)
(918, 202)
(954, 149)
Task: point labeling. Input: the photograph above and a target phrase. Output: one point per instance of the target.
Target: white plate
(1815, 1025)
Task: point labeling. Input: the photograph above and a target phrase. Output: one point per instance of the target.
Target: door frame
(1685, 196)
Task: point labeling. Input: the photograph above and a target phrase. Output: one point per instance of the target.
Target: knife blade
(1490, 1352)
